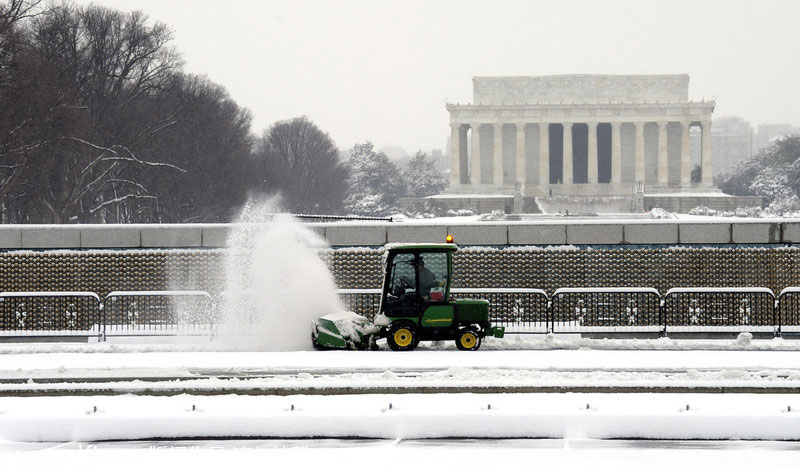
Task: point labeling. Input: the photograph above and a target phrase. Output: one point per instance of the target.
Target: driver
(427, 279)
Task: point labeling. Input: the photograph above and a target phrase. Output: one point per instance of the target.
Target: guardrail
(158, 313)
(606, 310)
(788, 310)
(720, 310)
(520, 310)
(49, 313)
(527, 310)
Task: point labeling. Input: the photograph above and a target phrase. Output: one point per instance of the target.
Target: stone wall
(581, 89)
(551, 231)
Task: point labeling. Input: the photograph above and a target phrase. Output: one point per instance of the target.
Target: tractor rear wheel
(402, 336)
(468, 339)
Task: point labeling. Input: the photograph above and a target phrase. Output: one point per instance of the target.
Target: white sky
(382, 70)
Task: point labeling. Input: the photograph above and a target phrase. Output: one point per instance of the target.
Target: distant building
(732, 140)
(767, 133)
(583, 135)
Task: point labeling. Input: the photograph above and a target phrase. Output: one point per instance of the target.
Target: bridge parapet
(351, 234)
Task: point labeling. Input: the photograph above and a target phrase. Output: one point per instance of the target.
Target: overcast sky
(382, 71)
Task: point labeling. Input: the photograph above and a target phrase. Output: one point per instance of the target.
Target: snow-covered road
(191, 391)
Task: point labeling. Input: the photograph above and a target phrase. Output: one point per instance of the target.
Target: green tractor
(415, 305)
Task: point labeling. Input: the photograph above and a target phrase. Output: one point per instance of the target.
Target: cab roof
(421, 247)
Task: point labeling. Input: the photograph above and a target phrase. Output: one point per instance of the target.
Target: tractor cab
(417, 278)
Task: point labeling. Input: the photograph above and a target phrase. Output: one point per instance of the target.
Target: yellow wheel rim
(468, 340)
(402, 337)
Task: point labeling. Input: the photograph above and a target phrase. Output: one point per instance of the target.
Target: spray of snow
(276, 282)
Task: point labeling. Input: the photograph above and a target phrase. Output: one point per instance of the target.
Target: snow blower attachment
(415, 305)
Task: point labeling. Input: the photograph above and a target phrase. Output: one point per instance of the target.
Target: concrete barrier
(479, 234)
(172, 236)
(651, 233)
(591, 233)
(51, 237)
(216, 236)
(416, 233)
(355, 235)
(10, 238)
(704, 233)
(539, 234)
(755, 233)
(110, 236)
(790, 232)
(581, 232)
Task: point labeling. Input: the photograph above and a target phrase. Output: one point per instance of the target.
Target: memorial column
(663, 156)
(686, 168)
(616, 153)
(455, 155)
(475, 170)
(544, 153)
(707, 161)
(591, 154)
(639, 155)
(521, 157)
(497, 152)
(566, 167)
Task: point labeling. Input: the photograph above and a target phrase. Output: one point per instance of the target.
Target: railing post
(102, 323)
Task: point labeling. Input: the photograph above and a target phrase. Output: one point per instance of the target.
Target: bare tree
(81, 84)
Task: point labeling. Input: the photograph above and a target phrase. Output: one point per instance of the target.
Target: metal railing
(720, 310)
(788, 310)
(158, 312)
(606, 310)
(49, 313)
(528, 310)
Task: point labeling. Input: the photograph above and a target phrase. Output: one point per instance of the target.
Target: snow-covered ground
(393, 428)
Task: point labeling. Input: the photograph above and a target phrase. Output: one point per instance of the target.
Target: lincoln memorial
(578, 135)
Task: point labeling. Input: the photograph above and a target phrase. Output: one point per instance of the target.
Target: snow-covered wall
(581, 232)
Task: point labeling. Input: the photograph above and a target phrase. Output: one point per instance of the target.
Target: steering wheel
(404, 282)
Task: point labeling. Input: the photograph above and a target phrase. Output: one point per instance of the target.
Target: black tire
(402, 336)
(468, 338)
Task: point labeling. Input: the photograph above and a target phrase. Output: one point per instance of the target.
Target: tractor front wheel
(468, 339)
(402, 336)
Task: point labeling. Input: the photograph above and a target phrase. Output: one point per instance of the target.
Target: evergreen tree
(375, 182)
(421, 177)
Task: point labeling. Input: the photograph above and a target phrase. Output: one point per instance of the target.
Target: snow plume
(276, 283)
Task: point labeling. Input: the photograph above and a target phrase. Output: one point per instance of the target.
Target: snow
(605, 290)
(719, 290)
(405, 427)
(470, 196)
(49, 293)
(275, 258)
(688, 194)
(553, 415)
(161, 293)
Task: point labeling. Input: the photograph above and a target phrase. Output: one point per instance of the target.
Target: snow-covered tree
(772, 183)
(375, 183)
(421, 177)
(773, 172)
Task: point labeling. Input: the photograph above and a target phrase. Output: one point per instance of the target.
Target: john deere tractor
(415, 305)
